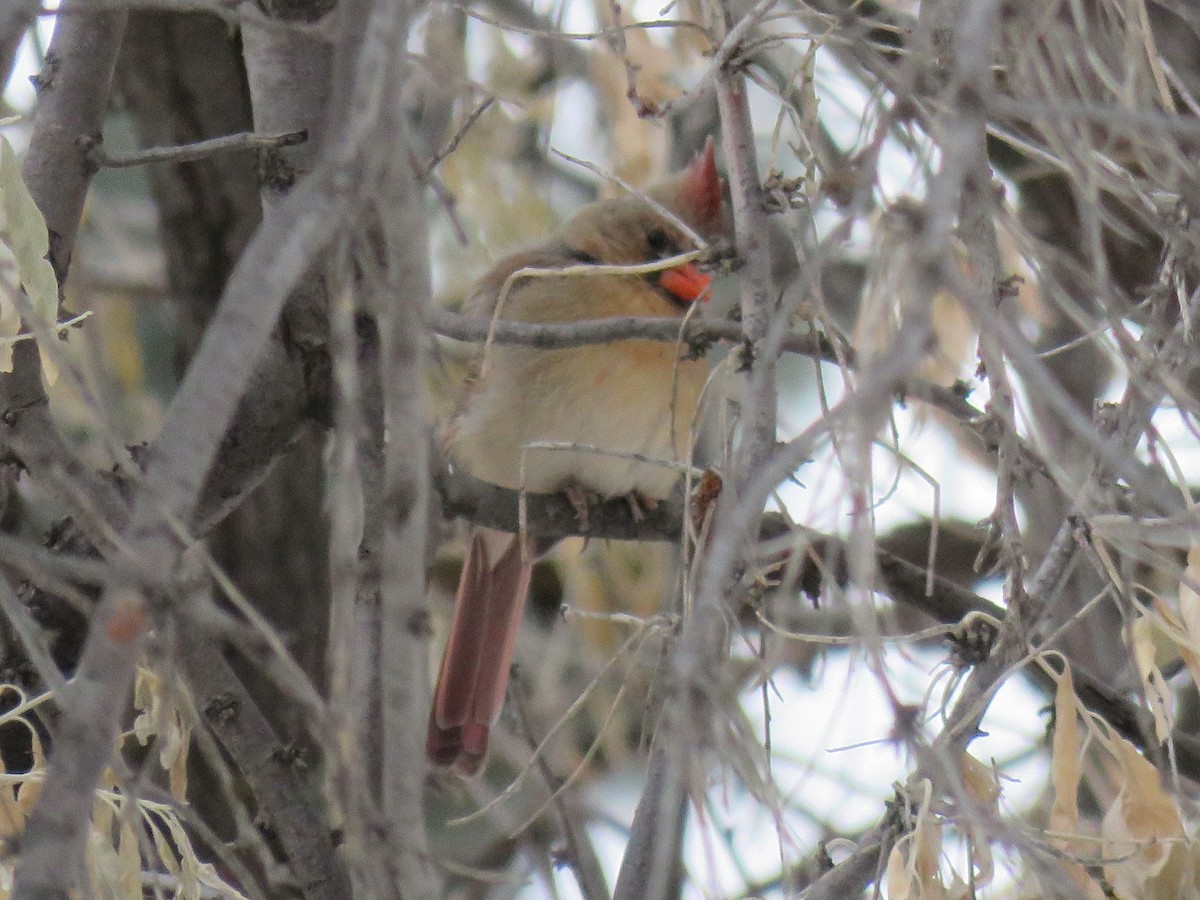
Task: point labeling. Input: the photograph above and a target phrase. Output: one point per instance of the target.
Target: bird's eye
(659, 243)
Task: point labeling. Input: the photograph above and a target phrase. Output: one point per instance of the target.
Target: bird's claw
(581, 499)
(639, 504)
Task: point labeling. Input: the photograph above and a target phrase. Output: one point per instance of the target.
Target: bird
(632, 398)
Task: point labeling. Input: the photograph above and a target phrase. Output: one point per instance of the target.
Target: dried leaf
(983, 788)
(130, 861)
(1141, 829)
(27, 238)
(208, 877)
(189, 881)
(927, 852)
(1065, 775)
(10, 315)
(983, 863)
(1189, 611)
(102, 812)
(104, 867)
(914, 865)
(177, 767)
(1064, 760)
(981, 782)
(158, 716)
(1058, 873)
(1158, 692)
(166, 853)
(147, 697)
(1172, 637)
(897, 877)
(37, 750)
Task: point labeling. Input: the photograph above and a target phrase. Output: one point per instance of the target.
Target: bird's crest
(701, 189)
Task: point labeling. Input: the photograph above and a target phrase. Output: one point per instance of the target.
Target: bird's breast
(625, 409)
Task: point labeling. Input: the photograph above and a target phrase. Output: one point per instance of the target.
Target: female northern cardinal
(631, 397)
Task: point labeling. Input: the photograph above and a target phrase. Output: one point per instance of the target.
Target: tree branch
(399, 301)
(696, 336)
(860, 867)
(199, 150)
(194, 428)
(290, 802)
(73, 95)
(553, 515)
(72, 99)
(15, 19)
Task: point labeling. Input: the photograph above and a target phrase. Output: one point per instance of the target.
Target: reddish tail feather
(474, 674)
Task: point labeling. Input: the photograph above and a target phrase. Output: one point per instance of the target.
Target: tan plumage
(630, 397)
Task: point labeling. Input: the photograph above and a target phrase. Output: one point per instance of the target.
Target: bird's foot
(581, 499)
(639, 504)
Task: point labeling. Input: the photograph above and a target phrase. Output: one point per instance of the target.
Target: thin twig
(399, 301)
(73, 102)
(847, 877)
(541, 32)
(195, 425)
(245, 140)
(581, 855)
(453, 143)
(292, 802)
(15, 19)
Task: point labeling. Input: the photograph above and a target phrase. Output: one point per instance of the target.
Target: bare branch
(581, 854)
(292, 803)
(195, 426)
(696, 334)
(554, 515)
(758, 300)
(399, 303)
(1131, 419)
(860, 868)
(452, 145)
(198, 150)
(15, 19)
(72, 98)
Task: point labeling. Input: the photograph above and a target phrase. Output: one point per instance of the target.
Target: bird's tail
(475, 668)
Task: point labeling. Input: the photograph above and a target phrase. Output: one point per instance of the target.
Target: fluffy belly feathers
(630, 398)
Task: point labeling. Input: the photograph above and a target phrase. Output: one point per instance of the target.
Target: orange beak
(686, 282)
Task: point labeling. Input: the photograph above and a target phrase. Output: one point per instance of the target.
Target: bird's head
(629, 231)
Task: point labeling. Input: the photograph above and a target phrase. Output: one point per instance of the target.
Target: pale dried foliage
(23, 264)
(136, 845)
(133, 841)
